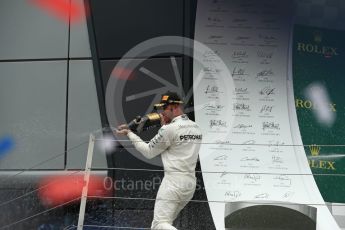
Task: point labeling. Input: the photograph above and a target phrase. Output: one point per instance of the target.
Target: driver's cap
(167, 99)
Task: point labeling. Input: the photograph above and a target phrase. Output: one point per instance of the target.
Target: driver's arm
(157, 144)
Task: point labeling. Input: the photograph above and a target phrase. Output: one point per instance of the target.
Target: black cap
(167, 99)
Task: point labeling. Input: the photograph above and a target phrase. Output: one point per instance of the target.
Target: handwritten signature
(217, 123)
(255, 159)
(288, 194)
(215, 37)
(265, 73)
(223, 142)
(239, 54)
(212, 89)
(283, 180)
(212, 71)
(242, 126)
(233, 194)
(261, 196)
(267, 37)
(275, 143)
(277, 159)
(213, 106)
(266, 109)
(241, 90)
(221, 158)
(214, 19)
(267, 91)
(270, 126)
(209, 54)
(238, 72)
(267, 55)
(241, 107)
(252, 177)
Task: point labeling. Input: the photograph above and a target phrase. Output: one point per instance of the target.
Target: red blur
(62, 9)
(123, 74)
(58, 190)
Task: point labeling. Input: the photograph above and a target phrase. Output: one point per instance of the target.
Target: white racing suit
(178, 143)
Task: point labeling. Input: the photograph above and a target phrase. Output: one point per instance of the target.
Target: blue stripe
(6, 145)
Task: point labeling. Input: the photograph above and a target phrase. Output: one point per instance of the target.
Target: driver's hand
(122, 129)
(123, 132)
(123, 126)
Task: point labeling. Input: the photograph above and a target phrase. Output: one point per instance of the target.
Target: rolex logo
(314, 150)
(318, 163)
(317, 37)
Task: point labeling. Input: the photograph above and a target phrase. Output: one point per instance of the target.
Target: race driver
(178, 142)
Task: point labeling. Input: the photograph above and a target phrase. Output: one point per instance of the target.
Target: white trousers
(174, 193)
